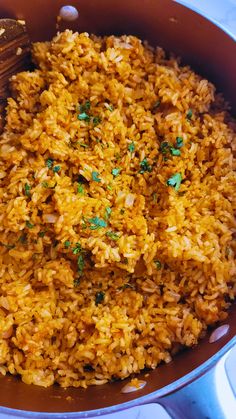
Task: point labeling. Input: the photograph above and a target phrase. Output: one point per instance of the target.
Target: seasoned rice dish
(117, 201)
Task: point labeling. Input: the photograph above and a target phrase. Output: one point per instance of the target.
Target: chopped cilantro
(175, 151)
(56, 169)
(179, 142)
(95, 177)
(85, 107)
(164, 147)
(77, 249)
(112, 235)
(76, 282)
(80, 263)
(156, 105)
(158, 264)
(131, 147)
(83, 117)
(115, 172)
(108, 212)
(145, 166)
(49, 163)
(42, 233)
(46, 185)
(175, 181)
(27, 190)
(80, 188)
(29, 224)
(97, 223)
(189, 114)
(99, 297)
(67, 244)
(96, 120)
(83, 145)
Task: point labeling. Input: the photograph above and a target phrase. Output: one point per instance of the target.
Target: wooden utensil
(14, 55)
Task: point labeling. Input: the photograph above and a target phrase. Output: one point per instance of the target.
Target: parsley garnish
(158, 264)
(175, 152)
(96, 120)
(145, 166)
(99, 297)
(189, 114)
(76, 282)
(27, 190)
(112, 235)
(80, 188)
(108, 212)
(49, 163)
(179, 142)
(77, 249)
(156, 105)
(42, 233)
(131, 147)
(175, 181)
(67, 244)
(29, 224)
(85, 107)
(95, 177)
(115, 172)
(80, 263)
(109, 107)
(83, 117)
(97, 223)
(56, 169)
(164, 147)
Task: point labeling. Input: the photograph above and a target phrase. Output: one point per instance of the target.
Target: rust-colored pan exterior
(211, 52)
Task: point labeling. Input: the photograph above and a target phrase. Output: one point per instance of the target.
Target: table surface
(224, 13)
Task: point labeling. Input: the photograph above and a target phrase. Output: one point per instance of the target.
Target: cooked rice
(155, 266)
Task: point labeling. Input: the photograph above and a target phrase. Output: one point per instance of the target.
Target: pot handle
(201, 399)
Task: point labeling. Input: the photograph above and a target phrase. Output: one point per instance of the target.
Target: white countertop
(223, 12)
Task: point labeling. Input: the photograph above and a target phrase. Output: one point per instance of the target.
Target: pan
(180, 386)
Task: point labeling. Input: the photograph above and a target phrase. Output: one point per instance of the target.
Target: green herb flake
(76, 282)
(96, 120)
(67, 244)
(83, 145)
(47, 186)
(110, 107)
(97, 223)
(108, 212)
(145, 166)
(85, 107)
(158, 264)
(29, 224)
(175, 181)
(49, 163)
(131, 147)
(99, 297)
(179, 142)
(112, 235)
(164, 147)
(77, 249)
(156, 105)
(27, 190)
(95, 177)
(83, 117)
(42, 233)
(56, 169)
(80, 263)
(80, 188)
(189, 114)
(115, 172)
(175, 151)
(109, 187)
